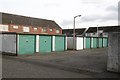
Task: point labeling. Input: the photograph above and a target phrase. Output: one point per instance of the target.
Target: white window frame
(26, 29)
(44, 29)
(51, 29)
(57, 31)
(15, 27)
(35, 29)
(3, 27)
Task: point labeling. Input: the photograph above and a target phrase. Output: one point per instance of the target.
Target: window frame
(26, 29)
(58, 31)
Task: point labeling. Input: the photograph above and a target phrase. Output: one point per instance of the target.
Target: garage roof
(104, 28)
(78, 31)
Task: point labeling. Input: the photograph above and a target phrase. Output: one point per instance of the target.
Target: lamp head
(77, 16)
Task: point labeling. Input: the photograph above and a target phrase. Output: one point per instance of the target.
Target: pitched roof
(112, 29)
(27, 21)
(104, 28)
(78, 31)
(91, 30)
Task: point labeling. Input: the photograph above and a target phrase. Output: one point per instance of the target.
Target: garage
(87, 42)
(45, 43)
(100, 42)
(8, 44)
(105, 42)
(79, 42)
(17, 43)
(26, 44)
(60, 43)
(94, 42)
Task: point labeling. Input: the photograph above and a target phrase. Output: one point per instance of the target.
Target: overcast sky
(94, 12)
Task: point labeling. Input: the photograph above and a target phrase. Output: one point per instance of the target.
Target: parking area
(88, 63)
(88, 59)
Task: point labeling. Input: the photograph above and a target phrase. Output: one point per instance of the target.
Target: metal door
(45, 44)
(100, 42)
(59, 43)
(26, 44)
(88, 42)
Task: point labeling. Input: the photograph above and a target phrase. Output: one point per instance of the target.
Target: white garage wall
(0, 43)
(91, 42)
(9, 43)
(53, 43)
(66, 43)
(37, 43)
(79, 44)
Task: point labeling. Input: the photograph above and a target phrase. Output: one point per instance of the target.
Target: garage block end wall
(113, 63)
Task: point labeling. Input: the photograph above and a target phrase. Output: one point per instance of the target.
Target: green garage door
(45, 44)
(59, 43)
(105, 43)
(94, 42)
(87, 45)
(100, 42)
(26, 44)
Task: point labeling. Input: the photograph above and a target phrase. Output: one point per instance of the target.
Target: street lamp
(74, 31)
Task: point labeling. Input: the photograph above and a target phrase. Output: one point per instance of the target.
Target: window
(15, 27)
(3, 27)
(57, 31)
(35, 29)
(44, 29)
(26, 29)
(51, 30)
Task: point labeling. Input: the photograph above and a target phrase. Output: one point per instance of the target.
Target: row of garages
(29, 43)
(87, 42)
(18, 44)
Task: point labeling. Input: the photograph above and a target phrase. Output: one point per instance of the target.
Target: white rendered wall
(53, 43)
(91, 42)
(9, 43)
(79, 43)
(0, 43)
(66, 43)
(37, 43)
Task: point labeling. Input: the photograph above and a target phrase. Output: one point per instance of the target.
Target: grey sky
(94, 12)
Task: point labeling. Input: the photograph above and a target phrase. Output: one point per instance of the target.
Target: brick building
(24, 24)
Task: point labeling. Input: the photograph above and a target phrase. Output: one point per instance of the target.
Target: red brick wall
(19, 30)
(51, 32)
(60, 31)
(38, 31)
(54, 31)
(32, 31)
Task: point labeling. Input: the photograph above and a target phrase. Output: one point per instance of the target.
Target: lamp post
(74, 31)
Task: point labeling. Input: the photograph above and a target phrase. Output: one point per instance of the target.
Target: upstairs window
(26, 29)
(44, 29)
(51, 30)
(57, 31)
(35, 29)
(3, 27)
(15, 27)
